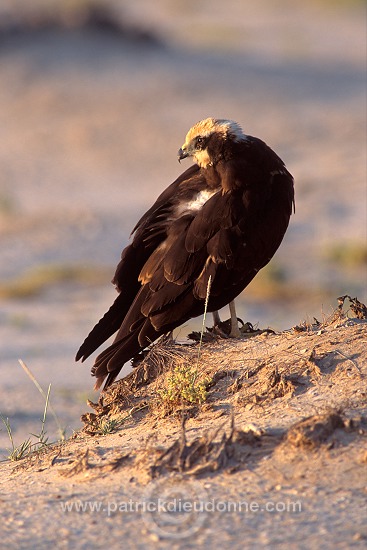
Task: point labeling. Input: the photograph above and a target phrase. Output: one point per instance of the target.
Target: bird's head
(204, 140)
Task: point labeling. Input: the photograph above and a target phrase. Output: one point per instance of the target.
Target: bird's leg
(235, 331)
(216, 318)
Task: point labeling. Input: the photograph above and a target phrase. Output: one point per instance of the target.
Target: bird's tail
(110, 362)
(106, 327)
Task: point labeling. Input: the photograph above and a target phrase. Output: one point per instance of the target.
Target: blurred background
(96, 99)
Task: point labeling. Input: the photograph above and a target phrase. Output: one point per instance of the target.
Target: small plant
(17, 452)
(107, 426)
(46, 397)
(183, 386)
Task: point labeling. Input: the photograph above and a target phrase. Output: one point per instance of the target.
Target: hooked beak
(182, 154)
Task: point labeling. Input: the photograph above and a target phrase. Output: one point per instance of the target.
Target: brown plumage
(224, 217)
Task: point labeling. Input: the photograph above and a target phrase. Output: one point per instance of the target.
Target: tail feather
(110, 362)
(106, 327)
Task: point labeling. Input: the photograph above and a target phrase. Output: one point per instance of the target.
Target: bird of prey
(221, 221)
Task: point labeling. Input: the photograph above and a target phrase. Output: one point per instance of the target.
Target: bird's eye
(199, 141)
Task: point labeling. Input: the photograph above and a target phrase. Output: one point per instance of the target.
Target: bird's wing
(228, 240)
(176, 275)
(149, 232)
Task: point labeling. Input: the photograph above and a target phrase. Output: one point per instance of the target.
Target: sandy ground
(278, 479)
(90, 127)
